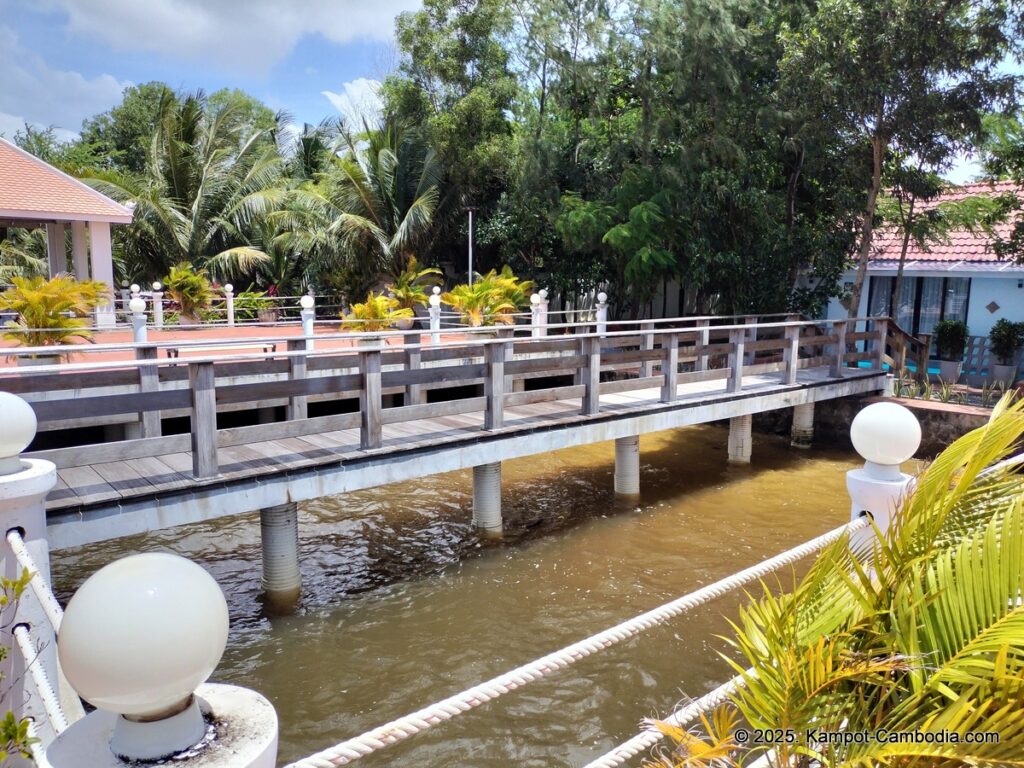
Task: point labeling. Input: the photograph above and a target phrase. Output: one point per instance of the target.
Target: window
(923, 301)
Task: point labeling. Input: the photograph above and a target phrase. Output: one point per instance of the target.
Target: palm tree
(23, 254)
(379, 199)
(208, 177)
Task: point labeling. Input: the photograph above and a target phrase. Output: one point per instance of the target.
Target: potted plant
(1004, 342)
(377, 313)
(410, 289)
(190, 289)
(250, 305)
(950, 340)
(492, 299)
(50, 313)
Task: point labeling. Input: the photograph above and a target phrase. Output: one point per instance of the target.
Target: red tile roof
(963, 245)
(33, 190)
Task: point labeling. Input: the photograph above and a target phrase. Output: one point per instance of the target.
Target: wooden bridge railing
(902, 349)
(662, 354)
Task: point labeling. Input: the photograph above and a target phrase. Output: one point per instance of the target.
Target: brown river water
(403, 604)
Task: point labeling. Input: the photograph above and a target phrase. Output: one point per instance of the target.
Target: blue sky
(65, 60)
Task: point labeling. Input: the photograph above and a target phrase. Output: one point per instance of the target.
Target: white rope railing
(51, 607)
(51, 704)
(398, 730)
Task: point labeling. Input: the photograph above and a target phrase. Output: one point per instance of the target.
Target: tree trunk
(543, 94)
(897, 284)
(868, 225)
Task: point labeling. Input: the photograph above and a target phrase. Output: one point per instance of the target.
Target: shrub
(189, 288)
(1005, 338)
(377, 313)
(951, 339)
(492, 299)
(410, 287)
(51, 311)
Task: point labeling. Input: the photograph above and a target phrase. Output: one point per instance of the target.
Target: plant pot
(33, 362)
(188, 321)
(405, 324)
(268, 315)
(1004, 373)
(949, 370)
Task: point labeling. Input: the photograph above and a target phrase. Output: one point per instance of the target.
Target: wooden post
(838, 349)
(703, 339)
(736, 339)
(923, 355)
(791, 353)
(413, 362)
(591, 347)
(646, 344)
(751, 336)
(370, 434)
(880, 340)
(149, 381)
(670, 367)
(297, 404)
(204, 419)
(494, 384)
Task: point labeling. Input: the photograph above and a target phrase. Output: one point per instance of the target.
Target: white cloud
(359, 101)
(36, 93)
(244, 35)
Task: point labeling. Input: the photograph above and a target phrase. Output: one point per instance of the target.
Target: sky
(65, 60)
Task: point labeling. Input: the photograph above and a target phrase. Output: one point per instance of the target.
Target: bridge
(343, 414)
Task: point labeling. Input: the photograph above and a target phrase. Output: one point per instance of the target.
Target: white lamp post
(137, 307)
(138, 641)
(602, 313)
(308, 315)
(543, 293)
(885, 435)
(435, 315)
(229, 299)
(158, 305)
(535, 311)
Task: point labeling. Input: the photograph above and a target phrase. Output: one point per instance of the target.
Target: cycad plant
(410, 287)
(190, 289)
(51, 311)
(377, 313)
(492, 299)
(912, 646)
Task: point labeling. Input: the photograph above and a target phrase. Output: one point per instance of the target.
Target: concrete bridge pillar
(627, 466)
(487, 498)
(279, 530)
(803, 426)
(740, 439)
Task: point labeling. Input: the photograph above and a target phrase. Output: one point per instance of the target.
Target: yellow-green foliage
(924, 633)
(492, 299)
(189, 287)
(51, 312)
(377, 313)
(410, 287)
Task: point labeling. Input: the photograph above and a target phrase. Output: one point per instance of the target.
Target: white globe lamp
(137, 305)
(135, 288)
(543, 293)
(138, 637)
(885, 435)
(228, 288)
(19, 430)
(307, 302)
(535, 299)
(157, 285)
(435, 300)
(602, 297)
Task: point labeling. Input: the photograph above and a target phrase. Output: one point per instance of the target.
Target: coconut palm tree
(23, 254)
(379, 199)
(208, 177)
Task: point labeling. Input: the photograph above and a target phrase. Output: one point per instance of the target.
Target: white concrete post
(137, 307)
(627, 466)
(602, 313)
(158, 305)
(885, 435)
(24, 484)
(740, 439)
(80, 250)
(138, 641)
(308, 315)
(802, 432)
(229, 301)
(126, 296)
(487, 498)
(134, 291)
(535, 314)
(279, 532)
(435, 316)
(543, 293)
(102, 269)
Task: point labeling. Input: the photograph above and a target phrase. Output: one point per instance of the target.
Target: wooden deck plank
(123, 478)
(87, 484)
(159, 473)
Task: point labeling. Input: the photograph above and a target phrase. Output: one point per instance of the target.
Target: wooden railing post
(494, 384)
(297, 404)
(923, 355)
(370, 432)
(736, 339)
(791, 353)
(204, 419)
(413, 362)
(646, 344)
(670, 367)
(591, 347)
(880, 342)
(750, 320)
(703, 339)
(149, 381)
(838, 361)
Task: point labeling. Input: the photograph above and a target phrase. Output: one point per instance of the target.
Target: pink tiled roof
(34, 190)
(963, 245)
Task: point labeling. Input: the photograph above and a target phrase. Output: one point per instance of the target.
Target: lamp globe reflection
(19, 430)
(886, 434)
(142, 633)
